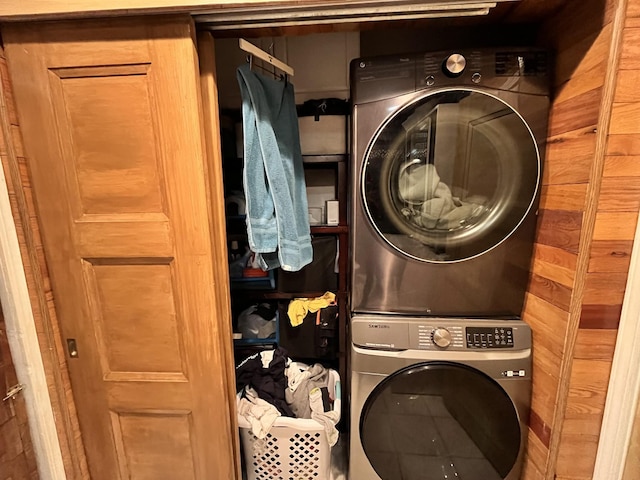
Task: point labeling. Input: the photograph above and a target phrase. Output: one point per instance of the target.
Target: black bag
(316, 338)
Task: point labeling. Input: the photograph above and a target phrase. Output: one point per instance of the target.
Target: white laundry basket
(294, 448)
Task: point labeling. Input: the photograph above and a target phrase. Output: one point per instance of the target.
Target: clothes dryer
(446, 169)
(435, 399)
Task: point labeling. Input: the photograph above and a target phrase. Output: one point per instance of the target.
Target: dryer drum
(450, 176)
(440, 415)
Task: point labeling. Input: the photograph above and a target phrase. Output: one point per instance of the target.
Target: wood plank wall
(13, 161)
(589, 207)
(572, 136)
(616, 214)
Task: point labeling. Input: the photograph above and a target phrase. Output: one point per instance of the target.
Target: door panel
(112, 130)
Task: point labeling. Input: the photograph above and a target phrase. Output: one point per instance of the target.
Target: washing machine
(437, 398)
(447, 154)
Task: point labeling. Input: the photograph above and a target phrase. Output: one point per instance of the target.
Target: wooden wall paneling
(623, 145)
(568, 197)
(548, 323)
(576, 21)
(595, 344)
(583, 47)
(38, 283)
(555, 264)
(627, 86)
(610, 255)
(546, 377)
(552, 292)
(568, 157)
(629, 57)
(615, 226)
(581, 426)
(578, 112)
(623, 117)
(535, 458)
(604, 288)
(582, 59)
(600, 316)
(622, 166)
(560, 229)
(601, 296)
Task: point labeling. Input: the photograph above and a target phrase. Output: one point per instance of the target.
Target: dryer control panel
(489, 337)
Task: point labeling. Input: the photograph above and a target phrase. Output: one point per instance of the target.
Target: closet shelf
(328, 229)
(335, 158)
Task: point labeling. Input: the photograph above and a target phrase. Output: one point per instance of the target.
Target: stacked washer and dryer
(447, 156)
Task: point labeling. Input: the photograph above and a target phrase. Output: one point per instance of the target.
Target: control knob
(441, 337)
(454, 64)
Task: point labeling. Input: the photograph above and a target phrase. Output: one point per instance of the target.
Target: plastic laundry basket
(294, 448)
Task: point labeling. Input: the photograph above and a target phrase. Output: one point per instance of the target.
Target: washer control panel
(439, 334)
(434, 335)
(489, 337)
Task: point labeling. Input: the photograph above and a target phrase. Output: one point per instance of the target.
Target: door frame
(24, 345)
(624, 382)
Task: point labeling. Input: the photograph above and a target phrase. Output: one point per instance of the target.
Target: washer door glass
(440, 420)
(450, 176)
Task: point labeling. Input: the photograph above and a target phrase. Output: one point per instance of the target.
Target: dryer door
(439, 420)
(450, 176)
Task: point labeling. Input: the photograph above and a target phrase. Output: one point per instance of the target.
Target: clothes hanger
(252, 50)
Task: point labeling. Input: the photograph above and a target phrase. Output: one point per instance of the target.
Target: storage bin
(323, 126)
(294, 449)
(319, 276)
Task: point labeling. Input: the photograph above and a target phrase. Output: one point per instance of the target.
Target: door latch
(13, 391)
(72, 347)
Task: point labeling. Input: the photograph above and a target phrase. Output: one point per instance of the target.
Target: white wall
(321, 64)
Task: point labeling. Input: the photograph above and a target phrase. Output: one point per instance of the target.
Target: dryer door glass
(440, 420)
(450, 175)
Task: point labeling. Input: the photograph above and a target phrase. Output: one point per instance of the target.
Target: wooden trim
(624, 384)
(21, 10)
(213, 150)
(23, 339)
(586, 237)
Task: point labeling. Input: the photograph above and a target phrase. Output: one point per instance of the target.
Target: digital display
(521, 63)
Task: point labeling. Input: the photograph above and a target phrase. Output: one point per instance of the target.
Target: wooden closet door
(111, 121)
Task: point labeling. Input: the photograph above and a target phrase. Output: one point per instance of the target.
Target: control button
(430, 80)
(476, 77)
(441, 337)
(455, 64)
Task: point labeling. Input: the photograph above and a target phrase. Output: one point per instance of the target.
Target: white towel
(260, 414)
(431, 204)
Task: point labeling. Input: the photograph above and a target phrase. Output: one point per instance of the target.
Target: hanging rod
(262, 55)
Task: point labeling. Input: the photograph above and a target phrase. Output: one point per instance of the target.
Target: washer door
(440, 420)
(450, 176)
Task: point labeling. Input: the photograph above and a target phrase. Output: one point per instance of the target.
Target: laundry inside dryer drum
(450, 176)
(439, 420)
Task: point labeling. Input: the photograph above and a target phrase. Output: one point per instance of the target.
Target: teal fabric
(276, 196)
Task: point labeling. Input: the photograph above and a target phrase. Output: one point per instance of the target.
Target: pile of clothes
(271, 385)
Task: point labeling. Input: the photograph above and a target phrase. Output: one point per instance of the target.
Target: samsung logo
(378, 325)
